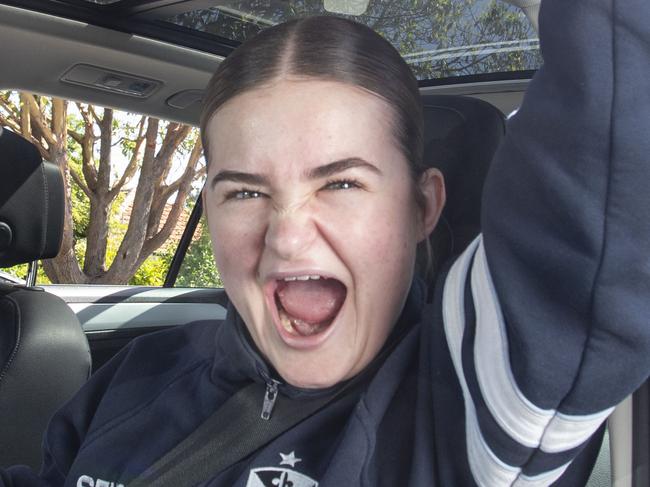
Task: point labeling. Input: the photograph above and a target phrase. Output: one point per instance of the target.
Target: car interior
(154, 57)
(44, 352)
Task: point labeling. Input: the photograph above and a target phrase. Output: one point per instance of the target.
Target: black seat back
(44, 354)
(461, 135)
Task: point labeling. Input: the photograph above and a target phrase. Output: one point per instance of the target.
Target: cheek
(237, 238)
(373, 234)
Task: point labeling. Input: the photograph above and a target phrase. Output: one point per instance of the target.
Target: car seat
(44, 354)
(461, 135)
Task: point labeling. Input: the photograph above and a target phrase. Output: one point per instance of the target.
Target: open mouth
(307, 305)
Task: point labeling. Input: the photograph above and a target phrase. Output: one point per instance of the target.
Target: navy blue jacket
(537, 330)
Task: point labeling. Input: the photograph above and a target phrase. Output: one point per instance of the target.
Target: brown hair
(330, 48)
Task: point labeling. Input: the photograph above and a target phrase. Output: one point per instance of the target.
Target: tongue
(312, 301)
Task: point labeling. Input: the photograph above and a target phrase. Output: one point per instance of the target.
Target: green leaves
(199, 269)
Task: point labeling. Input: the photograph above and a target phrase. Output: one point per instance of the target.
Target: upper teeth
(301, 278)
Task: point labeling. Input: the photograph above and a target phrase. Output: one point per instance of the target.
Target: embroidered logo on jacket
(86, 481)
(280, 477)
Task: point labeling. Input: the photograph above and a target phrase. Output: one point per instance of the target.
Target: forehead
(301, 123)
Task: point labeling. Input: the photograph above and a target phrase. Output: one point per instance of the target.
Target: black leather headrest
(461, 135)
(31, 203)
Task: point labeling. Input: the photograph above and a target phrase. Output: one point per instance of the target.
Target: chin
(310, 376)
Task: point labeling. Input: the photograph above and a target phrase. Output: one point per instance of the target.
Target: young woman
(317, 199)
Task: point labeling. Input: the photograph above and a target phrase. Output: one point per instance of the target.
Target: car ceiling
(40, 48)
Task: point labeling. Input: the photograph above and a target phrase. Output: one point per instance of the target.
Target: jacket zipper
(270, 396)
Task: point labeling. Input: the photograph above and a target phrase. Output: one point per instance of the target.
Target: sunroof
(438, 38)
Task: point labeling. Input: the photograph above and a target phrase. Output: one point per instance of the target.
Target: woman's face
(314, 223)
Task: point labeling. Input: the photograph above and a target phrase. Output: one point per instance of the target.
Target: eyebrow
(239, 177)
(320, 172)
(329, 170)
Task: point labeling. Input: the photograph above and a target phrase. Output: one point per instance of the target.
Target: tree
(80, 142)
(199, 269)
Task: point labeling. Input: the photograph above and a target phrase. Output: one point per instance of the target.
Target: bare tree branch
(153, 243)
(37, 119)
(161, 191)
(25, 123)
(98, 120)
(106, 141)
(87, 143)
(130, 250)
(176, 134)
(195, 155)
(80, 182)
(76, 136)
(11, 123)
(83, 110)
(59, 120)
(183, 185)
(100, 203)
(132, 167)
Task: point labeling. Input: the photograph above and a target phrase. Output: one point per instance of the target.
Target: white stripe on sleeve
(516, 415)
(522, 420)
(527, 424)
(486, 468)
(565, 432)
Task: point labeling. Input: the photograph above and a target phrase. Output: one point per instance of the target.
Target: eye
(243, 194)
(342, 184)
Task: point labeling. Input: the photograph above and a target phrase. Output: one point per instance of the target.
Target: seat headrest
(32, 203)
(461, 135)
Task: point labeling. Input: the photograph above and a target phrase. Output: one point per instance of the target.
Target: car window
(131, 181)
(198, 268)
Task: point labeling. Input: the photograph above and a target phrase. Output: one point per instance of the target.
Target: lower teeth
(293, 325)
(286, 322)
(306, 329)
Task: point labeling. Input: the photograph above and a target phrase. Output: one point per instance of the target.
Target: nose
(290, 233)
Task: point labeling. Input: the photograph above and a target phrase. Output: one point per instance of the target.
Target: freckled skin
(364, 236)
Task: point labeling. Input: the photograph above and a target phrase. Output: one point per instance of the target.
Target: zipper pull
(270, 396)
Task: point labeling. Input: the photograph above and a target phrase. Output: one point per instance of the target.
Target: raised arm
(556, 312)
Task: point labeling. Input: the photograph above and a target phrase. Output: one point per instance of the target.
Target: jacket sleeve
(547, 313)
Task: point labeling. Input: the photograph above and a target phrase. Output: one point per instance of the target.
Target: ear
(432, 187)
